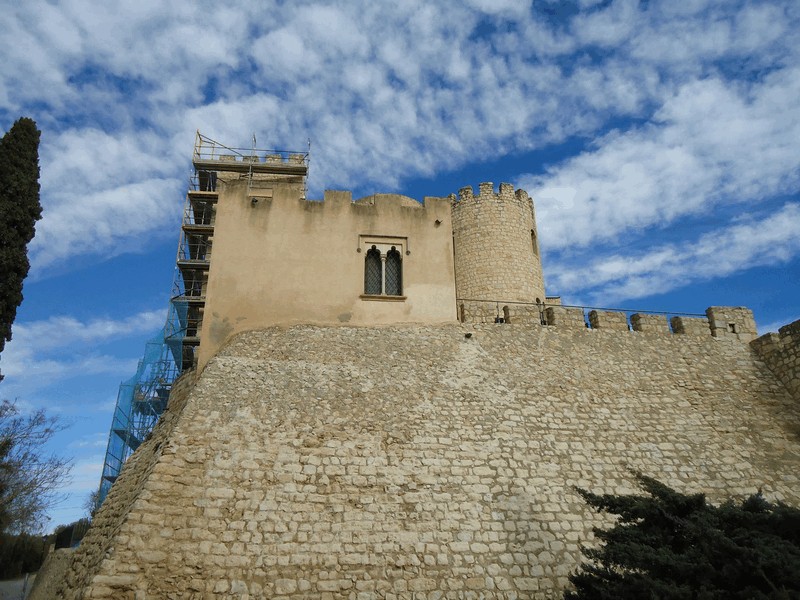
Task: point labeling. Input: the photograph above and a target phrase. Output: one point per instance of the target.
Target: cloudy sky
(659, 139)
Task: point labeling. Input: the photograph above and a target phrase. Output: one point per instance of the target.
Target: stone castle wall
(124, 498)
(420, 462)
(50, 574)
(495, 246)
(781, 353)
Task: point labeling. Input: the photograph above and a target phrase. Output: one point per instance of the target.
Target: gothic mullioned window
(373, 276)
(393, 280)
(383, 266)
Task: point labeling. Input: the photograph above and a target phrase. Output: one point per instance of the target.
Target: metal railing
(206, 149)
(502, 311)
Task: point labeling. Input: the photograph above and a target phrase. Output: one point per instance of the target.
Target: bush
(668, 545)
(20, 554)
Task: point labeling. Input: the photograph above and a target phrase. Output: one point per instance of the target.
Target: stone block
(285, 586)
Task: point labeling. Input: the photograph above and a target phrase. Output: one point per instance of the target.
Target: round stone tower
(496, 247)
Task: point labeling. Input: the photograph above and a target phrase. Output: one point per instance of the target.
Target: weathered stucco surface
(415, 462)
(283, 260)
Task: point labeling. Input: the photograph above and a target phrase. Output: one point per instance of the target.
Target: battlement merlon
(486, 193)
(344, 198)
(732, 321)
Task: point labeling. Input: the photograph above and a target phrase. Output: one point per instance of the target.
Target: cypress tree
(19, 211)
(668, 545)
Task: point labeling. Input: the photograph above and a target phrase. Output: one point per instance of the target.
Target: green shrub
(670, 546)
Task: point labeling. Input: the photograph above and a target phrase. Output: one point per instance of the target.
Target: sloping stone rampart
(50, 574)
(125, 496)
(781, 352)
(417, 462)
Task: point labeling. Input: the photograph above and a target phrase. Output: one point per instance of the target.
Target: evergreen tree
(19, 211)
(672, 546)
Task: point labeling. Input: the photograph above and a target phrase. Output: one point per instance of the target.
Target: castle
(380, 260)
(380, 401)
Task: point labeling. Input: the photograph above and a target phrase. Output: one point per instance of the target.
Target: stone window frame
(384, 245)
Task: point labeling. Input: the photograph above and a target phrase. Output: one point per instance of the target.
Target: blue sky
(659, 139)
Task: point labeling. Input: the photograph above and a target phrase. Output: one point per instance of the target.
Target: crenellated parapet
(721, 322)
(496, 245)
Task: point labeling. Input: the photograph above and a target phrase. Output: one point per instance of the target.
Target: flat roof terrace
(210, 155)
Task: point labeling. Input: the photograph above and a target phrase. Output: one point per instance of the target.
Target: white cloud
(709, 144)
(110, 221)
(34, 358)
(392, 92)
(65, 331)
(91, 440)
(611, 277)
(774, 326)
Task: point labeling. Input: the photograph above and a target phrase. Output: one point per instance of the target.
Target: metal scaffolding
(140, 402)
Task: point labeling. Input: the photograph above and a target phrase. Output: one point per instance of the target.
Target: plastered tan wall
(416, 462)
(283, 260)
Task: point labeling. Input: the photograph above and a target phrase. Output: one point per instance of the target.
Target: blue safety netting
(143, 398)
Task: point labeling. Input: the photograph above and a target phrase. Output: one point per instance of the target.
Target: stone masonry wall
(781, 353)
(123, 498)
(417, 462)
(50, 574)
(496, 250)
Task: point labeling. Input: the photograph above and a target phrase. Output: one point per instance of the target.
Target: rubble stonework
(417, 462)
(645, 323)
(607, 319)
(781, 353)
(495, 246)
